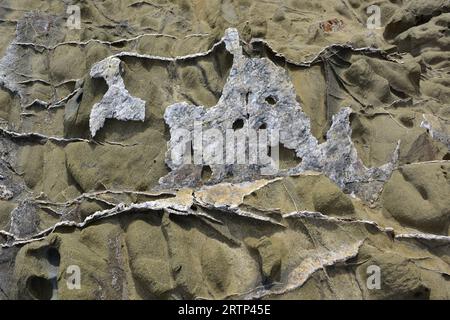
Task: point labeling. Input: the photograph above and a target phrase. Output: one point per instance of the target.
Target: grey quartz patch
(117, 102)
(259, 93)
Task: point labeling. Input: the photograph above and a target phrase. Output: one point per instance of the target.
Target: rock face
(116, 180)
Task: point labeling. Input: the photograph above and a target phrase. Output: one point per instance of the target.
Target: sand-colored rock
(81, 187)
(417, 195)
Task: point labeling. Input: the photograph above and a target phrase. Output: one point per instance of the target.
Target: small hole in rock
(446, 157)
(40, 288)
(288, 158)
(206, 173)
(191, 146)
(194, 207)
(238, 124)
(229, 174)
(423, 293)
(271, 100)
(53, 256)
(407, 122)
(247, 95)
(263, 126)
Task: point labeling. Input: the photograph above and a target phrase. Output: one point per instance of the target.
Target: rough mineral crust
(341, 96)
(258, 94)
(117, 102)
(36, 30)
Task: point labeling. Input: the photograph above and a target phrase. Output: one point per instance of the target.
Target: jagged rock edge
(180, 208)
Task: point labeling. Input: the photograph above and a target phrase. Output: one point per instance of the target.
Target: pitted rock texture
(88, 121)
(260, 94)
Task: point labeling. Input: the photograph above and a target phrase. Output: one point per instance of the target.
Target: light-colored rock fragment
(260, 94)
(320, 259)
(117, 102)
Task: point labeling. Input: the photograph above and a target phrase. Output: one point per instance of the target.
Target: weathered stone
(258, 93)
(117, 102)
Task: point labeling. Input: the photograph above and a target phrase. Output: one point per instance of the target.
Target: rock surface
(90, 179)
(117, 102)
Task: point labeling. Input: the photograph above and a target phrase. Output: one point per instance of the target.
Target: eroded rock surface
(88, 124)
(260, 95)
(117, 103)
